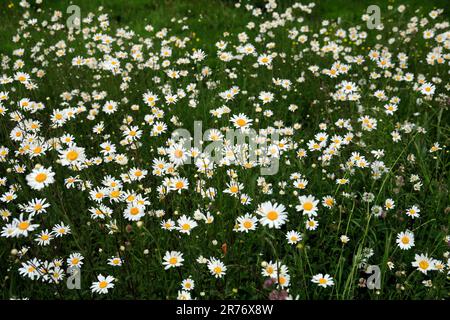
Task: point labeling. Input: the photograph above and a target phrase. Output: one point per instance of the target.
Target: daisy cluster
(91, 176)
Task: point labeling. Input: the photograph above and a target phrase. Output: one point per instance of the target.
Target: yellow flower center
(41, 177)
(307, 206)
(424, 264)
(248, 224)
(72, 155)
(178, 153)
(179, 185)
(241, 122)
(23, 225)
(115, 193)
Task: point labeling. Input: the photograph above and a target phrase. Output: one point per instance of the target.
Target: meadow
(339, 189)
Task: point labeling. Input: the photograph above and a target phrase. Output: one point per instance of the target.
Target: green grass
(142, 276)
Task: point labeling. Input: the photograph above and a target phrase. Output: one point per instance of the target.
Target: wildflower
(23, 226)
(344, 239)
(184, 295)
(103, 284)
(311, 224)
(241, 121)
(272, 215)
(323, 280)
(308, 205)
(72, 156)
(293, 237)
(423, 263)
(216, 267)
(246, 223)
(413, 212)
(40, 178)
(172, 259)
(115, 261)
(186, 224)
(187, 284)
(427, 89)
(405, 240)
